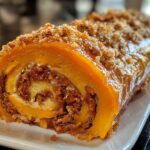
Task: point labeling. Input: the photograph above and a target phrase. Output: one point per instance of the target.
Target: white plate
(22, 136)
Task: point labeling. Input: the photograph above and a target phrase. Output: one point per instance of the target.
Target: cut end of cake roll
(54, 86)
(74, 78)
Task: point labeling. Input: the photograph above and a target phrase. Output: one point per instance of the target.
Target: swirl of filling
(39, 85)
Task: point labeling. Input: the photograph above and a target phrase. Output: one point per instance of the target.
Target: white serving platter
(22, 136)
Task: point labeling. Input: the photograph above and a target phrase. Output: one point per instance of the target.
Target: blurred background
(23, 16)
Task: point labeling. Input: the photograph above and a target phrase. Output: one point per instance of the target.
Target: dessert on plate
(76, 78)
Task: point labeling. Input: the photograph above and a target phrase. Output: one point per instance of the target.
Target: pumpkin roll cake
(76, 78)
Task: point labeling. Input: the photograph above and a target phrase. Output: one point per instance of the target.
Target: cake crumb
(53, 137)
